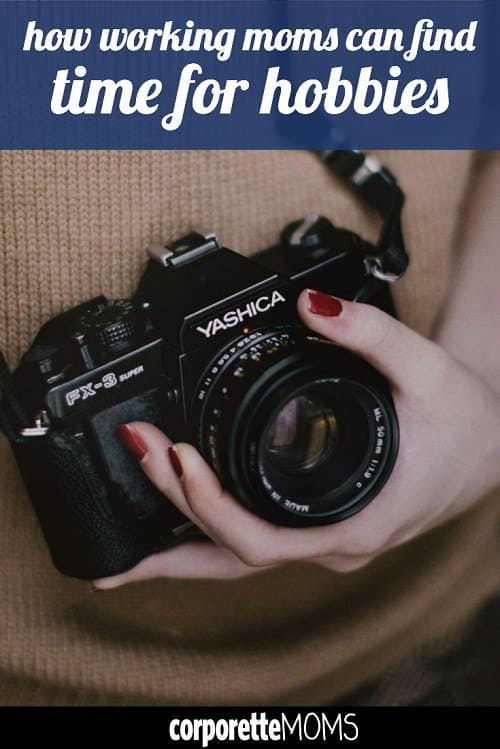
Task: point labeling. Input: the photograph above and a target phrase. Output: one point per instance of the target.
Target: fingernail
(323, 304)
(174, 460)
(132, 441)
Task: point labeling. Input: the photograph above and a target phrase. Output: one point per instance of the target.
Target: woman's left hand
(449, 457)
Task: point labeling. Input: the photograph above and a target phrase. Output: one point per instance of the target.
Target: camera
(211, 350)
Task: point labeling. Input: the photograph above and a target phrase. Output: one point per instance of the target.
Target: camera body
(209, 349)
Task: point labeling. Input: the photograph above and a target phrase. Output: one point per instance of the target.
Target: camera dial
(112, 324)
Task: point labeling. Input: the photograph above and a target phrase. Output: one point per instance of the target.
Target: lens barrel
(301, 431)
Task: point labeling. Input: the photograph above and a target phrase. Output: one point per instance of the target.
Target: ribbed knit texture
(74, 224)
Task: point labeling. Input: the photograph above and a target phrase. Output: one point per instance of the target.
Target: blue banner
(246, 74)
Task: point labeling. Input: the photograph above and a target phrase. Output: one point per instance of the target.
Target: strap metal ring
(374, 267)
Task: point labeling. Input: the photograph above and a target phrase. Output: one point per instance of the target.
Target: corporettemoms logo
(238, 315)
(303, 725)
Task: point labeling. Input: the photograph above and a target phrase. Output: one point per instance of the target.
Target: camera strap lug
(39, 429)
(375, 268)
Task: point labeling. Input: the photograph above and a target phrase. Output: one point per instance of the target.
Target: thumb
(404, 357)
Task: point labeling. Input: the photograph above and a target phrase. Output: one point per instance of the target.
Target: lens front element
(302, 436)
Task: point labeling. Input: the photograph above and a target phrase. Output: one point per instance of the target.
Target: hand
(449, 457)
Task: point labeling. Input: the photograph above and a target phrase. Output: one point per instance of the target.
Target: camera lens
(302, 436)
(301, 431)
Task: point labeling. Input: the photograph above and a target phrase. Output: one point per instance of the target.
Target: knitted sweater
(74, 224)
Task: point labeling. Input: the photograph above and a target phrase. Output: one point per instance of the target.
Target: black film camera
(212, 351)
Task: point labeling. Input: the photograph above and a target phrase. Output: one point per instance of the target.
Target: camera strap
(377, 186)
(10, 398)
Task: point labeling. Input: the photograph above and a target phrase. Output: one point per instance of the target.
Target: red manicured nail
(132, 440)
(323, 304)
(174, 460)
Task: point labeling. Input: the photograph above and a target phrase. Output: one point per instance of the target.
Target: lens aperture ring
(228, 377)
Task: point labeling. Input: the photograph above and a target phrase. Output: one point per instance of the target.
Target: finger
(254, 540)
(245, 534)
(404, 357)
(344, 564)
(196, 560)
(150, 446)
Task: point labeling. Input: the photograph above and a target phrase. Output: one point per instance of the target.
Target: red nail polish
(323, 304)
(132, 440)
(174, 460)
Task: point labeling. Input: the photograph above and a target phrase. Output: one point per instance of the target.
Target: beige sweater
(73, 224)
